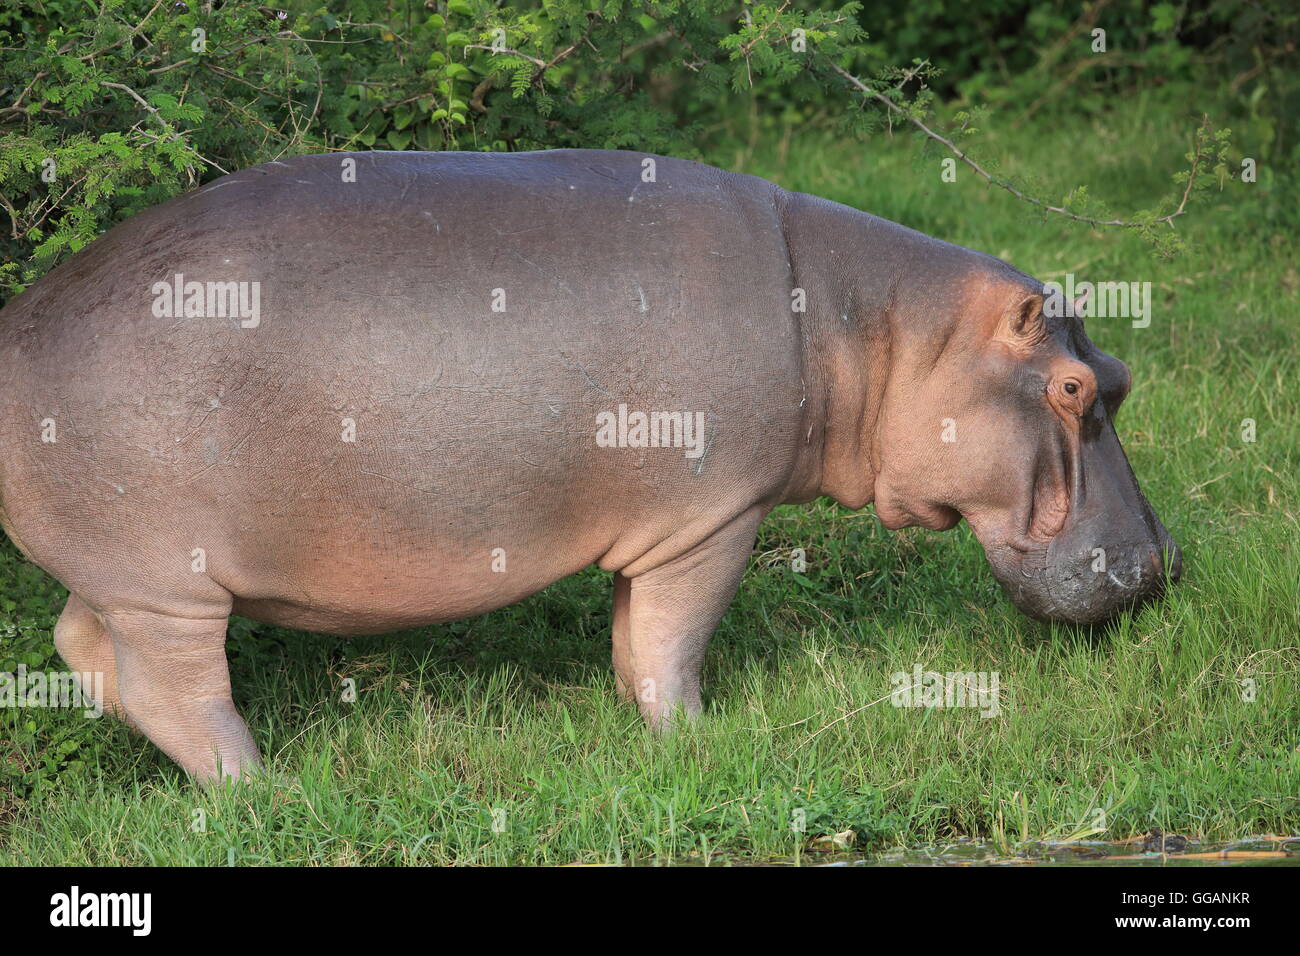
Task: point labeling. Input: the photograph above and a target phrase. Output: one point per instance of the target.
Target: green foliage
(33, 750)
(113, 109)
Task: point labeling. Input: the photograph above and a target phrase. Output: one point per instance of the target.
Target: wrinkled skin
(1036, 468)
(199, 467)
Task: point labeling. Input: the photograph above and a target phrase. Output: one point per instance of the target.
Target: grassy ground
(516, 711)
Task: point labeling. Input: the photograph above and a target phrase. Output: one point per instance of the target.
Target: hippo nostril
(1175, 564)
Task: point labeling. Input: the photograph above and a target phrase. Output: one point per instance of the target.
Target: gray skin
(200, 468)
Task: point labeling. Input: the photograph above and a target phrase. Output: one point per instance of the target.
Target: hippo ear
(1024, 321)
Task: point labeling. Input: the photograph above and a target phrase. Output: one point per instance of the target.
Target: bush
(31, 752)
(115, 111)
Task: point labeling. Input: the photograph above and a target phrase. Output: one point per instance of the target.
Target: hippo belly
(404, 430)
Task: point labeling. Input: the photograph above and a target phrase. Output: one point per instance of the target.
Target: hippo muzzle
(1111, 554)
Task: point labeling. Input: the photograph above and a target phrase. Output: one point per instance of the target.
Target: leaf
(1163, 16)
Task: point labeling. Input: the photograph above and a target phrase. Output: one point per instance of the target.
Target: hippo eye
(1071, 388)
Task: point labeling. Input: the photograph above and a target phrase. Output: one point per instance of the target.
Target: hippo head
(1006, 418)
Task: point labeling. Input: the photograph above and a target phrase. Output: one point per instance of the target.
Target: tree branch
(542, 65)
(1003, 184)
(153, 110)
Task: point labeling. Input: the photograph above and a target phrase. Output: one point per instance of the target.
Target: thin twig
(542, 65)
(747, 48)
(1002, 184)
(13, 217)
(591, 23)
(153, 110)
(130, 36)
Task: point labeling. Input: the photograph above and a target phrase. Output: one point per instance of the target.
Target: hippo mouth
(1056, 475)
(1091, 547)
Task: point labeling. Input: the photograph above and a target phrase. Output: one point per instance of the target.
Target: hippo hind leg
(174, 685)
(624, 679)
(83, 642)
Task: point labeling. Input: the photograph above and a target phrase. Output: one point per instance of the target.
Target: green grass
(516, 710)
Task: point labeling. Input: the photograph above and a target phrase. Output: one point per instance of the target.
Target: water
(1251, 851)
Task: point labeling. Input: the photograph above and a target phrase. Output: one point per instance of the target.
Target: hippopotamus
(362, 392)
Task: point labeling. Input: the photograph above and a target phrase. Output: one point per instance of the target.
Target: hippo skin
(405, 429)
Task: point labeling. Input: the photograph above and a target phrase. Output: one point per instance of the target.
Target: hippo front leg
(664, 617)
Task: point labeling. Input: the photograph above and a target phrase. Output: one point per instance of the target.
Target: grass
(500, 739)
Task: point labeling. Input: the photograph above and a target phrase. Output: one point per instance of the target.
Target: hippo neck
(850, 454)
(862, 275)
